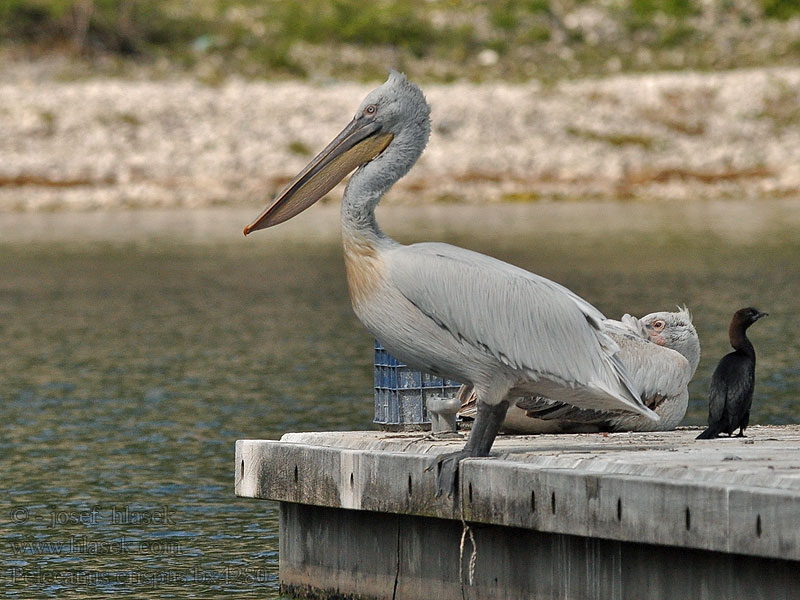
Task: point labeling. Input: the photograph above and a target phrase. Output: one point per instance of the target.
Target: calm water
(136, 348)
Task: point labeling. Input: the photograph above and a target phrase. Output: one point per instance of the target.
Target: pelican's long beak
(358, 143)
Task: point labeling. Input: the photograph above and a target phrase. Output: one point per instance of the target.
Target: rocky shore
(112, 143)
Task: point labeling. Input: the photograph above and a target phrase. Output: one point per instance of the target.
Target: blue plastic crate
(401, 392)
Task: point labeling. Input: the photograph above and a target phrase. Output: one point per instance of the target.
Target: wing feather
(659, 374)
(655, 370)
(628, 326)
(535, 326)
(731, 391)
(717, 400)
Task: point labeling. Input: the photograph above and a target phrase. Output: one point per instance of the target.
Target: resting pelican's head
(674, 330)
(390, 128)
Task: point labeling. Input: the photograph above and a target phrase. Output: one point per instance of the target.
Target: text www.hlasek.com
(84, 545)
(144, 577)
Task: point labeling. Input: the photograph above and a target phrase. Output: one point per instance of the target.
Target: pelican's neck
(692, 353)
(371, 181)
(358, 210)
(363, 240)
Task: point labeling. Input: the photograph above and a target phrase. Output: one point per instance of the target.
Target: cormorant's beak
(760, 315)
(358, 143)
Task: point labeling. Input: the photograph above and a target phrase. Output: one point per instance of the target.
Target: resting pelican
(660, 351)
(445, 310)
(734, 379)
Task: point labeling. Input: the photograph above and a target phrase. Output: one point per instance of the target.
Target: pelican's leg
(484, 430)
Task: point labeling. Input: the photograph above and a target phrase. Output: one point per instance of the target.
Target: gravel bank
(110, 143)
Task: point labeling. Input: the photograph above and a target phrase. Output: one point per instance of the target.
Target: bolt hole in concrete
(619, 509)
(758, 525)
(533, 501)
(242, 469)
(553, 502)
(470, 492)
(688, 519)
(352, 480)
(409, 485)
(295, 474)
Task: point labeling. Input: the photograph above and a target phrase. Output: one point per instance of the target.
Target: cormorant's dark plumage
(731, 392)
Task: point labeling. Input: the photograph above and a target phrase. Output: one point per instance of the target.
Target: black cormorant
(731, 392)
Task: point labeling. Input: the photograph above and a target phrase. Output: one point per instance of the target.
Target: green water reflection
(128, 370)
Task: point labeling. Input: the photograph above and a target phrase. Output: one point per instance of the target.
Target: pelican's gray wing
(469, 401)
(658, 373)
(534, 326)
(628, 326)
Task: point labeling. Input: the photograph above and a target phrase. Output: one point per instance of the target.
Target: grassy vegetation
(439, 39)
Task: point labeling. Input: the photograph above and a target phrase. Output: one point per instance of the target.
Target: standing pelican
(445, 310)
(660, 351)
(733, 382)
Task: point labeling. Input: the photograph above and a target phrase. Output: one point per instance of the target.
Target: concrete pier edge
(552, 516)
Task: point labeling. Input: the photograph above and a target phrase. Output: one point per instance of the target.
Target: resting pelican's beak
(358, 143)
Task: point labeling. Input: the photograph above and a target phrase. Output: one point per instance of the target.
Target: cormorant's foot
(447, 472)
(741, 434)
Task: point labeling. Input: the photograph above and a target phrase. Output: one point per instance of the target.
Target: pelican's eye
(658, 325)
(370, 110)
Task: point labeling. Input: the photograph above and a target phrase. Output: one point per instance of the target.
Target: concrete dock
(606, 516)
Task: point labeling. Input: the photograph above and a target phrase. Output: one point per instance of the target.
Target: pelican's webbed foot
(447, 472)
(484, 430)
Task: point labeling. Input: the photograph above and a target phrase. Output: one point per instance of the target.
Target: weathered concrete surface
(334, 553)
(652, 500)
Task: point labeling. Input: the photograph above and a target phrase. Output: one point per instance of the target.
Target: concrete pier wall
(333, 553)
(572, 517)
